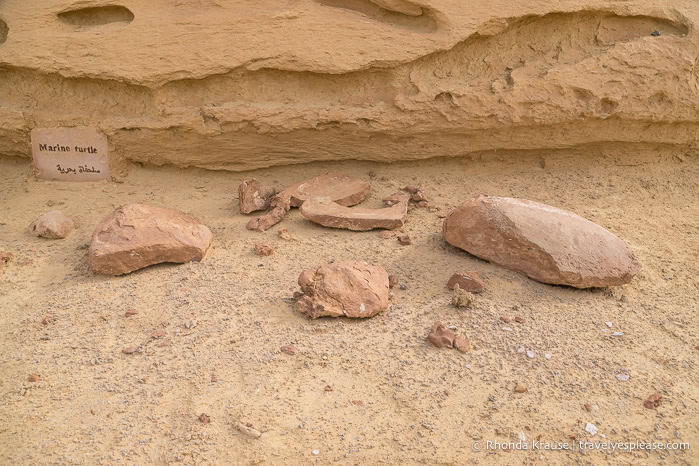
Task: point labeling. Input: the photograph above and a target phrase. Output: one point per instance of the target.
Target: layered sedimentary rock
(240, 84)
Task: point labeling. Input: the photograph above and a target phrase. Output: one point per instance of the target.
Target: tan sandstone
(547, 244)
(137, 235)
(389, 80)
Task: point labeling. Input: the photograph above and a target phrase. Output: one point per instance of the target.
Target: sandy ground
(392, 397)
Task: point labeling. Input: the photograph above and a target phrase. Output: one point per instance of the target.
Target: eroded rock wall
(240, 84)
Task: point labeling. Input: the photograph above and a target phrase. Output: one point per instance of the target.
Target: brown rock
(405, 240)
(130, 312)
(214, 378)
(340, 189)
(349, 288)
(46, 320)
(468, 281)
(333, 215)
(254, 196)
(506, 319)
(440, 336)
(262, 249)
(158, 333)
(328, 388)
(417, 194)
(288, 349)
(519, 319)
(545, 243)
(461, 298)
(53, 225)
(653, 401)
(462, 344)
(205, 419)
(393, 281)
(268, 220)
(136, 236)
(129, 350)
(588, 407)
(520, 388)
(33, 378)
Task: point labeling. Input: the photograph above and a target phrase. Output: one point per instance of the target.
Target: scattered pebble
(403, 286)
(158, 333)
(547, 356)
(461, 298)
(440, 336)
(521, 350)
(393, 281)
(204, 418)
(608, 324)
(506, 319)
(405, 240)
(328, 388)
(129, 350)
(653, 401)
(622, 377)
(214, 378)
(462, 344)
(507, 329)
(249, 430)
(316, 452)
(618, 334)
(262, 249)
(591, 429)
(520, 388)
(33, 378)
(284, 234)
(130, 312)
(288, 349)
(190, 324)
(531, 354)
(46, 320)
(519, 319)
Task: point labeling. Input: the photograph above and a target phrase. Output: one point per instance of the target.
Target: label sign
(70, 154)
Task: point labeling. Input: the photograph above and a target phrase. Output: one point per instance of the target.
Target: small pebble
(591, 429)
(608, 324)
(618, 334)
(531, 354)
(507, 329)
(622, 377)
(316, 452)
(547, 355)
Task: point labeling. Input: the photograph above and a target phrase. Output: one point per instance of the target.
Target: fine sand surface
(359, 392)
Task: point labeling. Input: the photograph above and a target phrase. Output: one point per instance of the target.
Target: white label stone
(70, 154)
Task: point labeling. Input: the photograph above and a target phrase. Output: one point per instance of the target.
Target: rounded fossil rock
(547, 244)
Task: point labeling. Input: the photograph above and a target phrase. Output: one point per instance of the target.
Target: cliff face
(245, 84)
